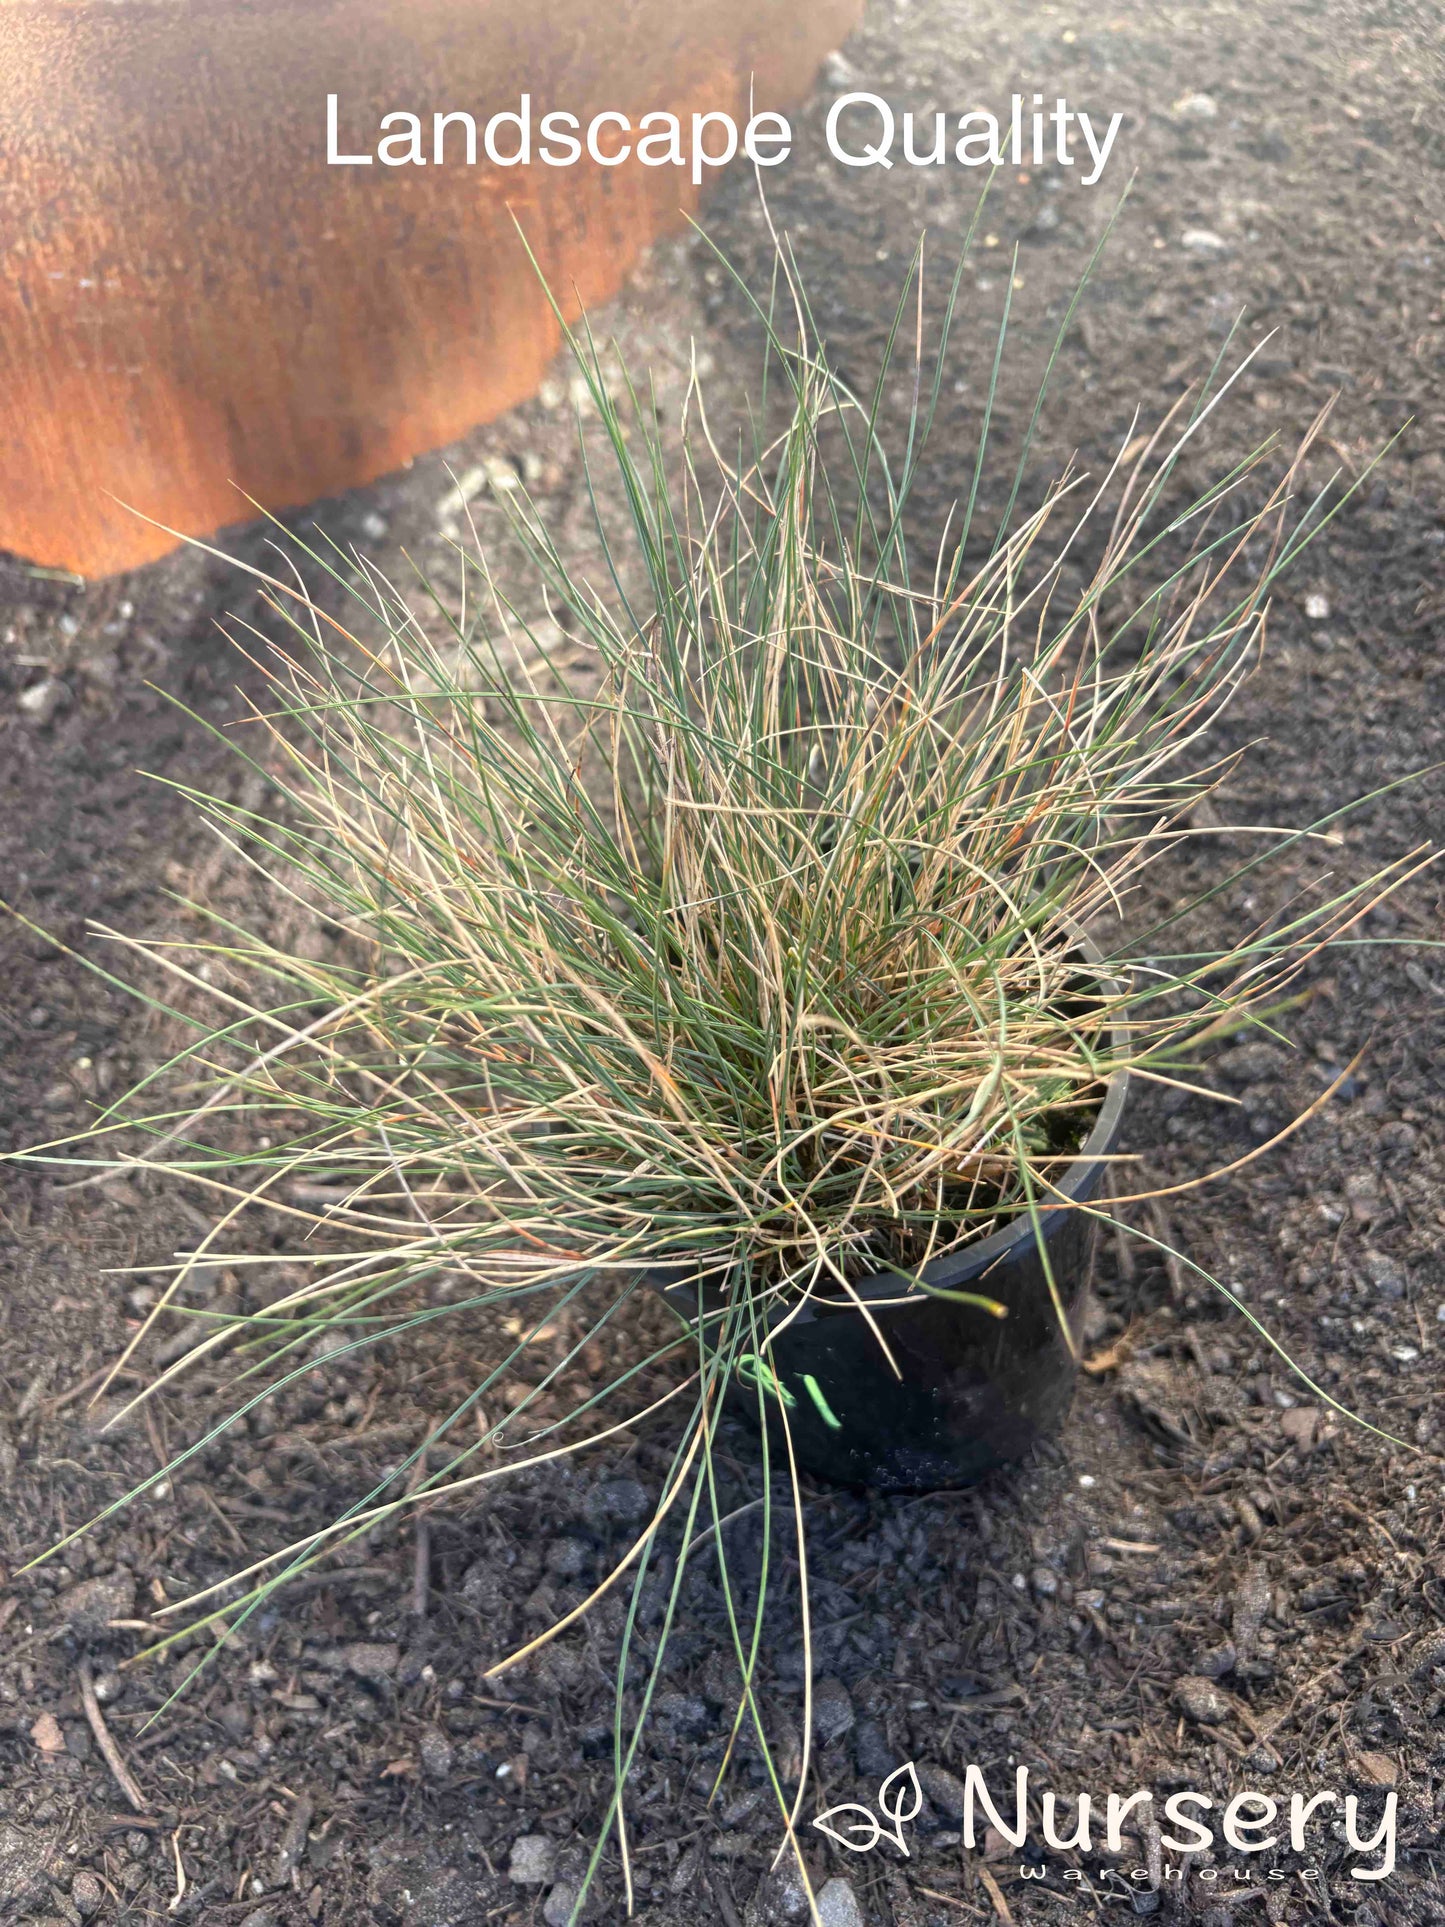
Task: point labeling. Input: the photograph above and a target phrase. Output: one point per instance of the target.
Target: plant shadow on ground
(345, 1763)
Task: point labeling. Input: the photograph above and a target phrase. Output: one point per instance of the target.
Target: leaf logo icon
(866, 1819)
(905, 1779)
(900, 1799)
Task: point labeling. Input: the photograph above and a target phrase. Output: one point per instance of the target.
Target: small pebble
(779, 1896)
(1195, 107)
(42, 699)
(838, 1904)
(741, 1808)
(534, 1856)
(370, 1660)
(1218, 1661)
(568, 1557)
(557, 1911)
(46, 1733)
(1317, 608)
(1384, 1274)
(87, 1893)
(944, 1789)
(484, 1586)
(1303, 1426)
(619, 1502)
(682, 1713)
(833, 1714)
(1363, 1191)
(1201, 1700)
(872, 1754)
(469, 483)
(1248, 1063)
(87, 1609)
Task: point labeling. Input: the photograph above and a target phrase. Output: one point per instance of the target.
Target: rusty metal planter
(192, 303)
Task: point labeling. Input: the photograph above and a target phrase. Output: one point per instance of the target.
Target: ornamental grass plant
(754, 948)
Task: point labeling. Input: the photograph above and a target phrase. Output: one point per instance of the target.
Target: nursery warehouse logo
(1248, 1823)
(862, 130)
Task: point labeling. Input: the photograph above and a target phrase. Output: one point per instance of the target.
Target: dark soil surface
(1212, 1582)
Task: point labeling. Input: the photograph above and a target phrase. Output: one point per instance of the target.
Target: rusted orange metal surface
(193, 303)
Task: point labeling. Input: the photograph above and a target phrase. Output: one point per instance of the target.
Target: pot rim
(967, 1266)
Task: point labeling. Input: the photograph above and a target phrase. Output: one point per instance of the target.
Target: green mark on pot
(815, 1392)
(753, 1370)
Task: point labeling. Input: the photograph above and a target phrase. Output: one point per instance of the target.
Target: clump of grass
(755, 943)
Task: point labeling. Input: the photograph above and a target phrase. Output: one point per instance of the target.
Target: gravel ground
(1210, 1582)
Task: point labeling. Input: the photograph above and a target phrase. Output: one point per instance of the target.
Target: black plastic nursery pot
(972, 1391)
